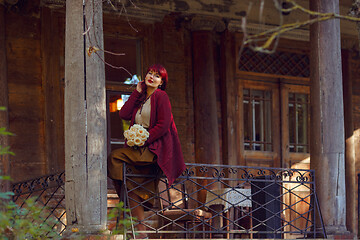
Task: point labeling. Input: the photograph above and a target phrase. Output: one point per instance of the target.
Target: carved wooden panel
(278, 63)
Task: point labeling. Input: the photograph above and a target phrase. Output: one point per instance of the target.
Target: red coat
(163, 140)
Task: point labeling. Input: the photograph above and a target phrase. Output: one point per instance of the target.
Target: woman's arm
(127, 110)
(163, 108)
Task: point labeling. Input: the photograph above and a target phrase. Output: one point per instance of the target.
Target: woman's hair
(163, 74)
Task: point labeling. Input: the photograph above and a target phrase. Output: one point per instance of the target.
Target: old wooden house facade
(251, 109)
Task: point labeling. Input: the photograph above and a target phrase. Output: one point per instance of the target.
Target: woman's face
(153, 79)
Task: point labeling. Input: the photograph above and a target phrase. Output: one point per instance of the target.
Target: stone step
(112, 198)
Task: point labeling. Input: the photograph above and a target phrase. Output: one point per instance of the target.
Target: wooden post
(229, 94)
(207, 148)
(327, 118)
(4, 102)
(96, 114)
(85, 119)
(350, 168)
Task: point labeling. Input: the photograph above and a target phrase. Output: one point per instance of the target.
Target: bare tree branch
(271, 37)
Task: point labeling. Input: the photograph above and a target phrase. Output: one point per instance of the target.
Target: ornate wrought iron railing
(219, 201)
(49, 195)
(207, 201)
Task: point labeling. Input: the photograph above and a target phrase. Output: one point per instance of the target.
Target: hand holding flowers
(136, 135)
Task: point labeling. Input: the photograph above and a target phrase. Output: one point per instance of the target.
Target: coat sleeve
(162, 125)
(127, 110)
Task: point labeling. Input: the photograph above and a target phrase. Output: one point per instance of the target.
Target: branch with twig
(269, 36)
(355, 12)
(94, 46)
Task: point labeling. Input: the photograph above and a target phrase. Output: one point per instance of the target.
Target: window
(298, 122)
(274, 116)
(119, 68)
(257, 120)
(117, 125)
(122, 74)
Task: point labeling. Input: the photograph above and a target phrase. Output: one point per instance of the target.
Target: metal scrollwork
(203, 169)
(247, 175)
(283, 174)
(261, 172)
(245, 186)
(233, 170)
(188, 172)
(47, 191)
(218, 173)
(301, 178)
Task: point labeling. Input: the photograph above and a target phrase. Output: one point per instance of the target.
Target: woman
(149, 106)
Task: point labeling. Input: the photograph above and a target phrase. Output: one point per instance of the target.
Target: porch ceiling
(230, 11)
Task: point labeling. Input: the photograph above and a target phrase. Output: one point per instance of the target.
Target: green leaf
(5, 178)
(4, 132)
(5, 150)
(2, 108)
(122, 224)
(6, 195)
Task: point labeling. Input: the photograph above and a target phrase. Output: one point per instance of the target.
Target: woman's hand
(139, 87)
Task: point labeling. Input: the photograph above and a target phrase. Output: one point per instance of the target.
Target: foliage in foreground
(122, 224)
(29, 221)
(25, 222)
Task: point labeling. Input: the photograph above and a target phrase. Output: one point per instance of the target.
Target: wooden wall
(35, 58)
(176, 57)
(35, 64)
(4, 119)
(169, 44)
(53, 60)
(26, 100)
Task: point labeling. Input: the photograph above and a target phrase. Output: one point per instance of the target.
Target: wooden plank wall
(161, 43)
(26, 101)
(4, 119)
(35, 58)
(175, 52)
(169, 44)
(52, 26)
(35, 49)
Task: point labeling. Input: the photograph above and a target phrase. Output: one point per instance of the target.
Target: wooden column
(4, 102)
(53, 118)
(327, 118)
(350, 168)
(207, 148)
(85, 119)
(229, 95)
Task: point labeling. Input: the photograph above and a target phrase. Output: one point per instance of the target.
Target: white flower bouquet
(136, 135)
